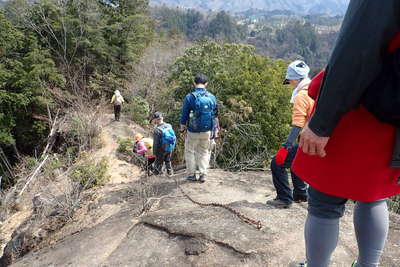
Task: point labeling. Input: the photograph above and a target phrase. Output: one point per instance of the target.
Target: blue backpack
(202, 118)
(168, 139)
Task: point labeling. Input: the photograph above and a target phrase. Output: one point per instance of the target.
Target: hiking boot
(170, 172)
(202, 178)
(303, 264)
(191, 178)
(299, 199)
(277, 203)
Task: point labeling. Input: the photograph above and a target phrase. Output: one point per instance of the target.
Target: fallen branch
(52, 135)
(40, 117)
(33, 175)
(256, 169)
(244, 218)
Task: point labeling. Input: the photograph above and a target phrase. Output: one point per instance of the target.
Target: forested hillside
(196, 25)
(288, 37)
(61, 55)
(58, 58)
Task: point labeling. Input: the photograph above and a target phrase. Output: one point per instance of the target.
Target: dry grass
(82, 126)
(60, 185)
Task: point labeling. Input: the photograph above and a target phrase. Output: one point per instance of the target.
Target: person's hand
(183, 131)
(281, 155)
(311, 143)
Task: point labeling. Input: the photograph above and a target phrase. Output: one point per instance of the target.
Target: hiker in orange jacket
(297, 77)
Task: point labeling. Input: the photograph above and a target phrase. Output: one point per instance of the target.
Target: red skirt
(357, 163)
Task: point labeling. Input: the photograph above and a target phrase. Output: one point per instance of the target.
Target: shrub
(125, 146)
(89, 174)
(242, 147)
(138, 110)
(30, 163)
(81, 128)
(55, 165)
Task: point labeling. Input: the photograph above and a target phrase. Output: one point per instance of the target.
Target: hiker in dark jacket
(345, 150)
(163, 154)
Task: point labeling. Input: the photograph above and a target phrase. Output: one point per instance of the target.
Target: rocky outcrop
(173, 231)
(153, 221)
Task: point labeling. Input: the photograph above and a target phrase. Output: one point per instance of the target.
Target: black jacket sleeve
(157, 135)
(367, 29)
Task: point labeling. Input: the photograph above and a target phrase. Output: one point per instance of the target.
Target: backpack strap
(304, 87)
(197, 94)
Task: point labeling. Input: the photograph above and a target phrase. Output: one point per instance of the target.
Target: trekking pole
(215, 155)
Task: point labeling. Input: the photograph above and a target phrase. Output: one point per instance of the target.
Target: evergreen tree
(127, 31)
(75, 49)
(223, 26)
(27, 72)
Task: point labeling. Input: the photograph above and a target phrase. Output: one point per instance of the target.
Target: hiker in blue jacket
(163, 145)
(197, 127)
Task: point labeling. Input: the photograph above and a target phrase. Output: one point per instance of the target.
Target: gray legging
(371, 222)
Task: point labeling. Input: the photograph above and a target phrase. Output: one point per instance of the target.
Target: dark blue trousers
(280, 179)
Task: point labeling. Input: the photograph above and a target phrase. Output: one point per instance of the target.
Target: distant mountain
(301, 7)
(2, 3)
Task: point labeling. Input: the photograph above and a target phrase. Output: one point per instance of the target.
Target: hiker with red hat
(350, 148)
(297, 77)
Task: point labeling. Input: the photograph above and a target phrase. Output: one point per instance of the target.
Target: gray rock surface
(176, 232)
